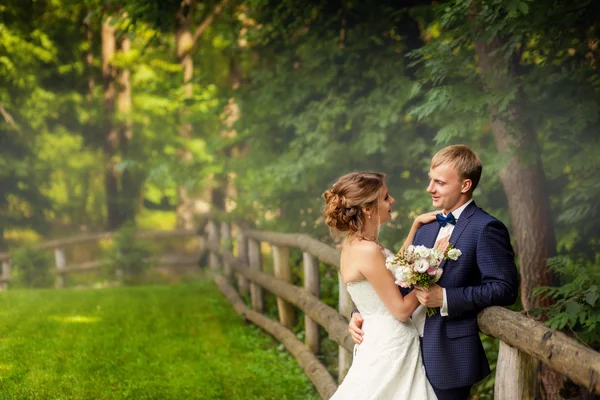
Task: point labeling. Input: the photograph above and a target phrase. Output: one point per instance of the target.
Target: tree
(186, 44)
(515, 57)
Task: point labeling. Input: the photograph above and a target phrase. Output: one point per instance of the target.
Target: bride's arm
(417, 223)
(383, 282)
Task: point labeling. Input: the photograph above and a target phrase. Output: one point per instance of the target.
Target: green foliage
(321, 108)
(40, 40)
(32, 266)
(576, 307)
(153, 342)
(128, 257)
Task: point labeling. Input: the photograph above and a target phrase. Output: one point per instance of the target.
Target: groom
(484, 275)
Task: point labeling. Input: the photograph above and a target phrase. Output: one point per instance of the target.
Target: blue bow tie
(449, 219)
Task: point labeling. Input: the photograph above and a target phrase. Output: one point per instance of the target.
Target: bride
(387, 364)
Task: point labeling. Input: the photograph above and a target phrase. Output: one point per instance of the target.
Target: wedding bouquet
(419, 265)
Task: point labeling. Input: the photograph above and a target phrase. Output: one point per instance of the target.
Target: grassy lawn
(151, 342)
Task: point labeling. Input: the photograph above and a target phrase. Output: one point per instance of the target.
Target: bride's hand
(442, 244)
(426, 218)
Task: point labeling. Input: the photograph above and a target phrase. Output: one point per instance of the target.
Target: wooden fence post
(345, 308)
(313, 285)
(202, 246)
(6, 272)
(213, 237)
(61, 263)
(515, 374)
(242, 254)
(254, 260)
(283, 271)
(228, 246)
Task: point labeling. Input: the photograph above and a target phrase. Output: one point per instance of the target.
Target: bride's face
(385, 205)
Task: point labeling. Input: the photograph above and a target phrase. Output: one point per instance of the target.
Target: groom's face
(445, 187)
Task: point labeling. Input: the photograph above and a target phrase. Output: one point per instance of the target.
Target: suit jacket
(484, 275)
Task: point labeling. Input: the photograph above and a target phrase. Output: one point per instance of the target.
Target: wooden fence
(63, 268)
(524, 343)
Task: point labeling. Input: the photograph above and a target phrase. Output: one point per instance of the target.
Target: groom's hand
(432, 297)
(354, 327)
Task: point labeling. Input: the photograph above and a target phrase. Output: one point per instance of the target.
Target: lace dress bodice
(373, 309)
(366, 299)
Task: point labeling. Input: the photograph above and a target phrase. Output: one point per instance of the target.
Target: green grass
(151, 342)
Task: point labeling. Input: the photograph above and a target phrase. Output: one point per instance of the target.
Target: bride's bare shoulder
(362, 248)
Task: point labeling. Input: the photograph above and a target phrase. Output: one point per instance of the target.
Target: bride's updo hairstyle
(348, 196)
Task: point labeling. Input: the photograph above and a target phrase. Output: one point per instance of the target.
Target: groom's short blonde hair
(465, 160)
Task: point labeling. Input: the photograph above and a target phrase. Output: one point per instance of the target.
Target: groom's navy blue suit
(484, 275)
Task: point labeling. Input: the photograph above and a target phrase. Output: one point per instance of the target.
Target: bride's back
(355, 253)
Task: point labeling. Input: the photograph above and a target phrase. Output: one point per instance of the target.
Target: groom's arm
(404, 291)
(499, 277)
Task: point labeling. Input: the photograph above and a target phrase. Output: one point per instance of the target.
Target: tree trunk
(89, 62)
(130, 181)
(3, 247)
(231, 112)
(91, 134)
(524, 183)
(184, 44)
(223, 187)
(111, 140)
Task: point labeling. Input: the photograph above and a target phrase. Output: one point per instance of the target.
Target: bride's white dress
(387, 364)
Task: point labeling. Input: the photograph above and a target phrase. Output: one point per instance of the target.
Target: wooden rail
(524, 342)
(332, 321)
(529, 338)
(300, 241)
(312, 367)
(94, 237)
(62, 268)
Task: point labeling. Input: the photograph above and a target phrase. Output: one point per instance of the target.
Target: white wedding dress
(387, 364)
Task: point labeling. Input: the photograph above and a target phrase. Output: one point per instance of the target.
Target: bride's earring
(369, 217)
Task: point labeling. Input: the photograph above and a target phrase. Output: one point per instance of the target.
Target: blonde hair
(348, 196)
(465, 160)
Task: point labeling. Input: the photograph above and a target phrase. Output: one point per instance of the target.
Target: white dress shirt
(419, 314)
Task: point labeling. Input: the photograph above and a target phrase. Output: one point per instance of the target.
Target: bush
(576, 307)
(128, 257)
(32, 267)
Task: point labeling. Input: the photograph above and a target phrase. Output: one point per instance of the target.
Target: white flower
(389, 254)
(438, 274)
(422, 251)
(435, 257)
(389, 264)
(401, 274)
(453, 254)
(409, 254)
(421, 265)
(390, 259)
